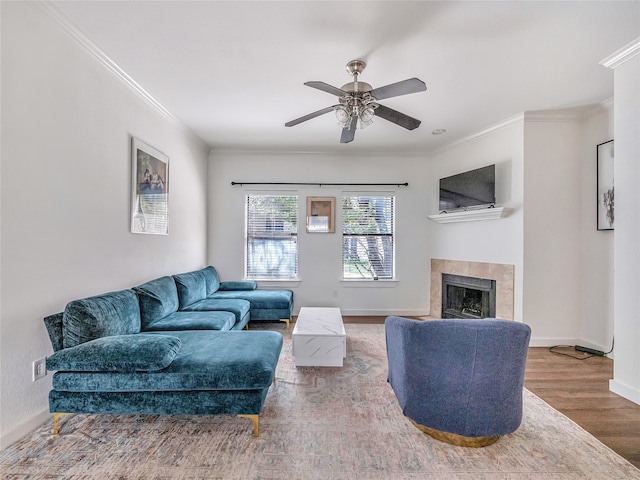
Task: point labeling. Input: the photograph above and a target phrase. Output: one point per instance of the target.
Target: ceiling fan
(358, 102)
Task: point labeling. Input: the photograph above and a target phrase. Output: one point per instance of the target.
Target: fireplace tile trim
(503, 274)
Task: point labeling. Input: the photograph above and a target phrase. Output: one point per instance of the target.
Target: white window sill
(358, 283)
(279, 282)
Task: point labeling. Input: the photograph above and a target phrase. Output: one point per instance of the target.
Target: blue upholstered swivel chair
(459, 381)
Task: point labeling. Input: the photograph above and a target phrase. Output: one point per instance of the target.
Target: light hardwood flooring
(580, 390)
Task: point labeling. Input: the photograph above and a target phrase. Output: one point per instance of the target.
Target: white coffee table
(319, 338)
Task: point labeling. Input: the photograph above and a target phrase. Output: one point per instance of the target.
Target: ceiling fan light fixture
(343, 114)
(366, 117)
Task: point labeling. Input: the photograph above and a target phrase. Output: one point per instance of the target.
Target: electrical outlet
(39, 368)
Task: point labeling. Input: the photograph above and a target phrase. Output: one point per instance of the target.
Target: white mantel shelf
(469, 215)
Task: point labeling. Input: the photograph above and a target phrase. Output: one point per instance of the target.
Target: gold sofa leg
(56, 422)
(256, 423)
(287, 321)
(457, 440)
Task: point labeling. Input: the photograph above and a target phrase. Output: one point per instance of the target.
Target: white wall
(65, 196)
(552, 226)
(626, 381)
(320, 255)
(492, 241)
(596, 258)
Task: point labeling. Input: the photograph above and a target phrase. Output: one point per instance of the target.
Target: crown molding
(80, 39)
(562, 115)
(263, 150)
(621, 56)
(608, 103)
(482, 133)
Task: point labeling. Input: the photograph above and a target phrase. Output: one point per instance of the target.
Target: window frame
(390, 197)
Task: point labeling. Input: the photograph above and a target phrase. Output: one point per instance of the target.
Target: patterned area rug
(318, 423)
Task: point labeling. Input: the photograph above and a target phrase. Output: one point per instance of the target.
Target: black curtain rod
(405, 184)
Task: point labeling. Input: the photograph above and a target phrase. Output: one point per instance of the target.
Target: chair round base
(457, 440)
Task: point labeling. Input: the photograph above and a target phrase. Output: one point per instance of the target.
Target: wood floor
(580, 390)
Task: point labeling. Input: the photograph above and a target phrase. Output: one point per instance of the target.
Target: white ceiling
(233, 71)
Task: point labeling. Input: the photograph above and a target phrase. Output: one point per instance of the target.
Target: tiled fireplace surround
(501, 273)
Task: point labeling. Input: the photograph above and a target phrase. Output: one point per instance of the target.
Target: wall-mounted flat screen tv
(474, 188)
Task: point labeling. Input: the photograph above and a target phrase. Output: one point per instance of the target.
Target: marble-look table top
(319, 321)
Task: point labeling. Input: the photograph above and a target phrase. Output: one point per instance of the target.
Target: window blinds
(272, 236)
(368, 236)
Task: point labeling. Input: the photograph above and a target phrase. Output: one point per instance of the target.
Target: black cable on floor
(568, 354)
(582, 357)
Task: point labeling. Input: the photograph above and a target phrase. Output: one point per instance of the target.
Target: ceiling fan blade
(396, 117)
(309, 116)
(349, 133)
(325, 87)
(412, 85)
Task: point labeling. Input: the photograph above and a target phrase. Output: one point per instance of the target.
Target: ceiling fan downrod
(355, 68)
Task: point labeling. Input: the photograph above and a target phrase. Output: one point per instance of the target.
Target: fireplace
(468, 297)
(503, 274)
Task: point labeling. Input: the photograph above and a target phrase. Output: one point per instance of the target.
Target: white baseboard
(625, 391)
(26, 427)
(383, 313)
(551, 342)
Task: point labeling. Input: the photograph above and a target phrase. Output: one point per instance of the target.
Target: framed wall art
(149, 189)
(605, 185)
(321, 213)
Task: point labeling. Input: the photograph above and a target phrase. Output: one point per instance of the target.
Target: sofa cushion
(158, 298)
(193, 321)
(239, 307)
(114, 313)
(206, 361)
(191, 286)
(212, 279)
(239, 285)
(120, 353)
(260, 299)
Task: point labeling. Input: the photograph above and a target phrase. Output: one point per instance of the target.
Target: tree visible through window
(367, 237)
(272, 236)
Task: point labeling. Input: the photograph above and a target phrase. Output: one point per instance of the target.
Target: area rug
(318, 423)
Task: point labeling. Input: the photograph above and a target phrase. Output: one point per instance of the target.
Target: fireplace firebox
(468, 297)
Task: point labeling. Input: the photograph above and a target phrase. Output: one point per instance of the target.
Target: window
(367, 237)
(272, 237)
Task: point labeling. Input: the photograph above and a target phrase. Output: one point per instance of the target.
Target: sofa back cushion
(212, 279)
(158, 298)
(114, 313)
(192, 287)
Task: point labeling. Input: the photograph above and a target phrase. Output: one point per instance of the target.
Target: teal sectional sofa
(173, 345)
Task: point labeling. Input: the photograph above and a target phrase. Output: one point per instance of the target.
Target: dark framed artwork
(604, 153)
(149, 189)
(321, 213)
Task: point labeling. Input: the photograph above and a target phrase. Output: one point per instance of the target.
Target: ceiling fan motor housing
(361, 87)
(355, 67)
